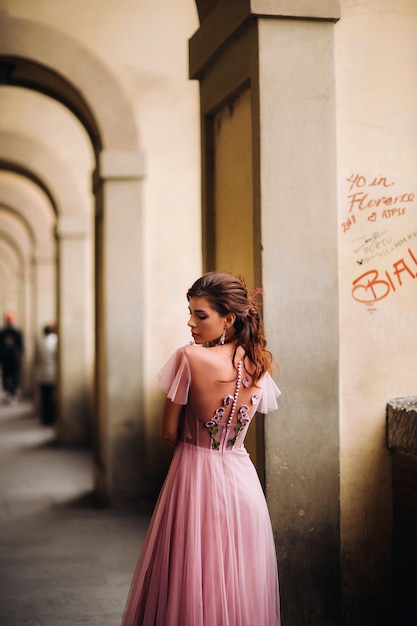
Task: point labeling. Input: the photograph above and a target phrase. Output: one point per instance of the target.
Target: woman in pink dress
(209, 556)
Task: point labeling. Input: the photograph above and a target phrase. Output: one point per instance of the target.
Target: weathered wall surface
(376, 100)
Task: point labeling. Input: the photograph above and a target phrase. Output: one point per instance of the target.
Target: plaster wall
(376, 57)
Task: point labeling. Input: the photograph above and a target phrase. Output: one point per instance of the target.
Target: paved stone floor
(63, 562)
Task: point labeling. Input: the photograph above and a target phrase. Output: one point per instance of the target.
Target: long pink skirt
(209, 556)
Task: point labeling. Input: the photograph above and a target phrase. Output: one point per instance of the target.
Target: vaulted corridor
(141, 144)
(64, 560)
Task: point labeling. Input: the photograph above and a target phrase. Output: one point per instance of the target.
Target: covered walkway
(64, 561)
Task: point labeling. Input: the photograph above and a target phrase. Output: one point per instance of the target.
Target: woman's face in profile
(205, 323)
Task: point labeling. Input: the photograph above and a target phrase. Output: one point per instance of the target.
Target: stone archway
(36, 56)
(37, 215)
(20, 197)
(15, 264)
(11, 266)
(35, 160)
(38, 163)
(16, 232)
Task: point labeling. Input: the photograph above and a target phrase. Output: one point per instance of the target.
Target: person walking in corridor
(209, 556)
(47, 357)
(11, 351)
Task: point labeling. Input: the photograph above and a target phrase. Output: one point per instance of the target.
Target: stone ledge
(228, 16)
(401, 424)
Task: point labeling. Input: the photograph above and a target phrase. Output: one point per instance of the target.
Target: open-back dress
(209, 556)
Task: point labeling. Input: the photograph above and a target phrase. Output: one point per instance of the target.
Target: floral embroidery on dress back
(212, 425)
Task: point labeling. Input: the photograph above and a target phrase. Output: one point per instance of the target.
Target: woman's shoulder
(194, 352)
(200, 352)
(221, 359)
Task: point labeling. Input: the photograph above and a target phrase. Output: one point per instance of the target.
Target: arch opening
(21, 72)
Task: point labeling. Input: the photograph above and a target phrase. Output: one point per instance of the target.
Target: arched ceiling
(28, 156)
(39, 57)
(25, 73)
(17, 233)
(25, 199)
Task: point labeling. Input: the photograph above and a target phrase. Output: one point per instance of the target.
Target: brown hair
(228, 294)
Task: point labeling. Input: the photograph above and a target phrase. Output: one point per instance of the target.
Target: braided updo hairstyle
(228, 294)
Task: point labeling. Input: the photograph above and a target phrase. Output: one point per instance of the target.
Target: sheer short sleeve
(270, 393)
(175, 376)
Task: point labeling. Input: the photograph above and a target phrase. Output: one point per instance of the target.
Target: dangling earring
(222, 338)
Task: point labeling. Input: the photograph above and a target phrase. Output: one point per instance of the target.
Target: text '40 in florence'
(364, 198)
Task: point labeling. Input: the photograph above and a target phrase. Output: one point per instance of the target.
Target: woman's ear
(229, 320)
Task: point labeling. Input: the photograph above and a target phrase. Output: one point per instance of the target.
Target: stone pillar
(44, 304)
(26, 378)
(74, 330)
(119, 428)
(300, 277)
(44, 291)
(282, 54)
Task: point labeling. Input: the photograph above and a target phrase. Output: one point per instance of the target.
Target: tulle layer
(209, 556)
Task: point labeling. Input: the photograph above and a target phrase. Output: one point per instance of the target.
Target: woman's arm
(170, 421)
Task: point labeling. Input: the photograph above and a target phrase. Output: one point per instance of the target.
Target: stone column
(119, 428)
(44, 291)
(282, 54)
(44, 311)
(26, 378)
(74, 330)
(300, 278)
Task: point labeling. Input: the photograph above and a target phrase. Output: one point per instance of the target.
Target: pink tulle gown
(209, 556)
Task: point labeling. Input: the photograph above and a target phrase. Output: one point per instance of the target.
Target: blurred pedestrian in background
(47, 374)
(11, 351)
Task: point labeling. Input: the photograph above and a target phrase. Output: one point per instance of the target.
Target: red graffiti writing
(357, 180)
(363, 198)
(373, 286)
(348, 223)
